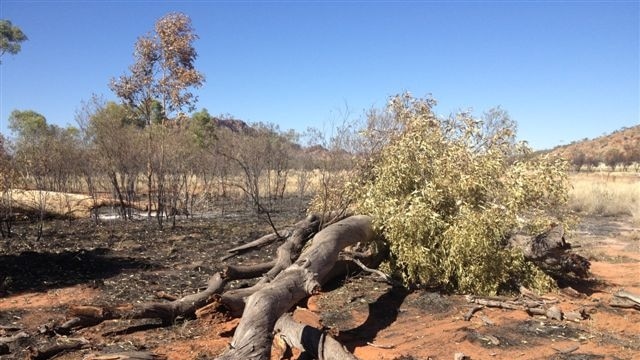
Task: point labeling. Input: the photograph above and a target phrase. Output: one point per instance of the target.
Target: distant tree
(612, 158)
(45, 156)
(630, 155)
(578, 159)
(202, 126)
(591, 161)
(116, 146)
(634, 156)
(27, 123)
(10, 38)
(7, 180)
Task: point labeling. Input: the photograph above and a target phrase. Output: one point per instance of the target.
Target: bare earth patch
(116, 263)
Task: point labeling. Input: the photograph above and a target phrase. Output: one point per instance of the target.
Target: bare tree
(7, 179)
(115, 145)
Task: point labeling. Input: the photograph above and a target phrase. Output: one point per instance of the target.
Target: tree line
(628, 157)
(145, 151)
(180, 167)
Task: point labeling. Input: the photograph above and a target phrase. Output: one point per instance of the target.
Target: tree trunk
(254, 335)
(310, 340)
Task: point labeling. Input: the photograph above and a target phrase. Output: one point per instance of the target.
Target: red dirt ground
(373, 320)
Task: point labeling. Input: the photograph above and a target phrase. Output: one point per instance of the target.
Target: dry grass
(603, 194)
(56, 203)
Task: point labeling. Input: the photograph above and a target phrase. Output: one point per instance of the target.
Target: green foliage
(27, 123)
(203, 127)
(10, 38)
(447, 193)
(163, 73)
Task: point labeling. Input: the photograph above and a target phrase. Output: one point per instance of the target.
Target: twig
(388, 279)
(566, 351)
(380, 346)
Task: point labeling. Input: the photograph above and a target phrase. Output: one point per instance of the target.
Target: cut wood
(623, 303)
(254, 335)
(626, 300)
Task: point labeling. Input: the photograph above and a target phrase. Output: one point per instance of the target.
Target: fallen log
(12, 338)
(473, 310)
(240, 272)
(57, 349)
(254, 335)
(549, 251)
(186, 307)
(84, 316)
(287, 253)
(132, 355)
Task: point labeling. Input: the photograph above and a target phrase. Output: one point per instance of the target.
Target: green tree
(613, 157)
(447, 193)
(203, 127)
(163, 71)
(158, 89)
(26, 123)
(10, 38)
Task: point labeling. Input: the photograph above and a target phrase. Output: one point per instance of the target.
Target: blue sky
(563, 70)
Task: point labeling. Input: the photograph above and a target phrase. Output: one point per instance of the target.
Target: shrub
(447, 193)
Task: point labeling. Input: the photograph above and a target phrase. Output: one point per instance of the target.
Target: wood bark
(57, 349)
(550, 252)
(254, 335)
(308, 339)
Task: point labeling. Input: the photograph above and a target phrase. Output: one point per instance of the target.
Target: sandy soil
(81, 263)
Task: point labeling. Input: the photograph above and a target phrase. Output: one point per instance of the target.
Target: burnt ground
(115, 262)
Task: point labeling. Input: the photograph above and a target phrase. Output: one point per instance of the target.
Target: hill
(620, 147)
